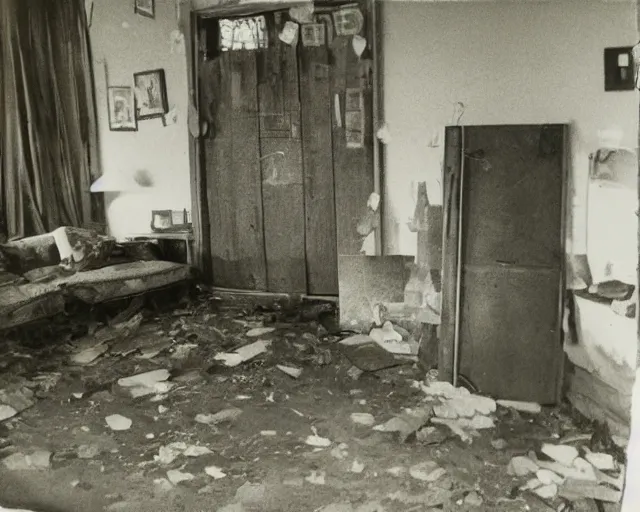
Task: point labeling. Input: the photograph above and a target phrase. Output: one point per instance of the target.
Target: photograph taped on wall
(289, 34)
(122, 109)
(313, 34)
(151, 94)
(354, 118)
(348, 21)
(146, 8)
(354, 100)
(243, 34)
(354, 129)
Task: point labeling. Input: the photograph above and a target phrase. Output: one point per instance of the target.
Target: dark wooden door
(288, 160)
(281, 163)
(512, 260)
(233, 170)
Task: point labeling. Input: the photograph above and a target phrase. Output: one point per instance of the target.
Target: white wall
(129, 43)
(509, 63)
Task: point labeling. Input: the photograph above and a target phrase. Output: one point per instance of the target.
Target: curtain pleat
(48, 144)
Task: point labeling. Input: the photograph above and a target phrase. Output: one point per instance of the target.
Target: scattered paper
(243, 353)
(289, 34)
(226, 415)
(290, 371)
(214, 472)
(117, 422)
(316, 440)
(363, 418)
(175, 476)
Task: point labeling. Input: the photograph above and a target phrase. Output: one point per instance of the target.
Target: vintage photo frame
(121, 103)
(146, 8)
(151, 94)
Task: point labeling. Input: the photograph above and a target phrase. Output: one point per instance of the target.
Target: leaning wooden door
(511, 266)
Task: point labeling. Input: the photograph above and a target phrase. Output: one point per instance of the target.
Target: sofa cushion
(20, 256)
(122, 280)
(21, 304)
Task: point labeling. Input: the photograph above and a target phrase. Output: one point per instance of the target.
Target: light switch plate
(618, 69)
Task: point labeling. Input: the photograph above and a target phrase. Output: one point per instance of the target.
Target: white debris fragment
(260, 331)
(118, 422)
(340, 452)
(162, 485)
(531, 484)
(397, 471)
(602, 461)
(363, 418)
(268, 433)
(290, 371)
(243, 354)
(547, 491)
(316, 478)
(89, 355)
(196, 451)
(222, 416)
(357, 467)
(548, 477)
(148, 383)
(40, 459)
(214, 472)
(7, 412)
(175, 476)
(427, 471)
(521, 466)
(316, 440)
(562, 453)
(389, 339)
(529, 407)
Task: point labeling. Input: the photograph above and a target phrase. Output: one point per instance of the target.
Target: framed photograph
(151, 94)
(122, 109)
(145, 8)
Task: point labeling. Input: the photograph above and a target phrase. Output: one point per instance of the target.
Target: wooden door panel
(510, 330)
(515, 196)
(281, 163)
(320, 212)
(234, 177)
(353, 166)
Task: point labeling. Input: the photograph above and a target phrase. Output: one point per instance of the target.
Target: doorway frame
(190, 12)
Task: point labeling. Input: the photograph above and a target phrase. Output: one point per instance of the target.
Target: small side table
(186, 236)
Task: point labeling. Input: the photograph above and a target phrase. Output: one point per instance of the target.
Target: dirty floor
(260, 456)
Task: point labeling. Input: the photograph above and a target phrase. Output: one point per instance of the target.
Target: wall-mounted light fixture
(619, 69)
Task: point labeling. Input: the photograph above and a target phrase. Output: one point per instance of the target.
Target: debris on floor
(267, 405)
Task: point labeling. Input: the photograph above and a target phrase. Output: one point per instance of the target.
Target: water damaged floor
(226, 404)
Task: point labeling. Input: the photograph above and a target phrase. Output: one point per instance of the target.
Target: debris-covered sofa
(40, 274)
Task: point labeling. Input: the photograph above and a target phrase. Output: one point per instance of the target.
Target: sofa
(40, 275)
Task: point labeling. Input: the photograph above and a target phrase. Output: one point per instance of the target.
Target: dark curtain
(48, 131)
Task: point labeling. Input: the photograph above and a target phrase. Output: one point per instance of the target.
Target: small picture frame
(146, 8)
(151, 94)
(121, 102)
